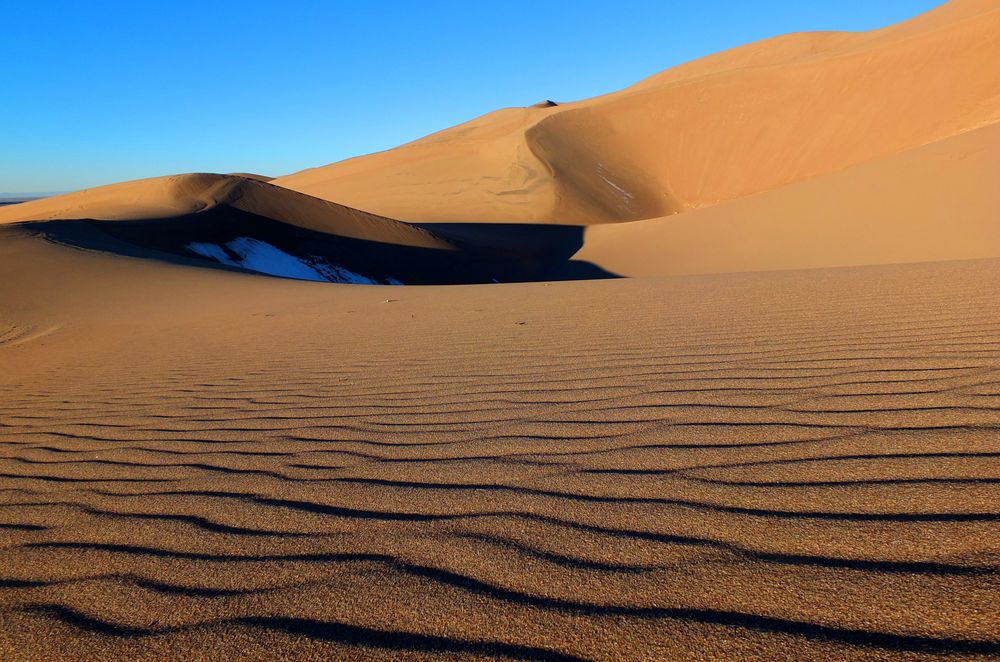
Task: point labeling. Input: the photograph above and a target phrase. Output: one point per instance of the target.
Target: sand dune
(777, 438)
(241, 222)
(183, 195)
(936, 202)
(807, 150)
(749, 120)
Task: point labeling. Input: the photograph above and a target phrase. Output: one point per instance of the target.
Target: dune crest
(240, 222)
(936, 202)
(182, 195)
(806, 150)
(749, 120)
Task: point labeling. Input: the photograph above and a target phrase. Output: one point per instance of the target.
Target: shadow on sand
(479, 253)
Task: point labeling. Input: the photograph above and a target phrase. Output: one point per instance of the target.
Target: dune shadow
(474, 253)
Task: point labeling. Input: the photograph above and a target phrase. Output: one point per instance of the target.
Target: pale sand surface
(180, 196)
(792, 464)
(752, 119)
(779, 440)
(936, 202)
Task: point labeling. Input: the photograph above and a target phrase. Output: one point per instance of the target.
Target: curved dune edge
(936, 202)
(231, 221)
(734, 124)
(183, 195)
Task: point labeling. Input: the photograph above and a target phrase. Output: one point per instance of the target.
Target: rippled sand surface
(794, 464)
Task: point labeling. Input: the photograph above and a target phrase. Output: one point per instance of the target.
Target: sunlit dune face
(707, 368)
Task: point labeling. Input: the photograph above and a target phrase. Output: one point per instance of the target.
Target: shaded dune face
(236, 222)
(223, 235)
(599, 178)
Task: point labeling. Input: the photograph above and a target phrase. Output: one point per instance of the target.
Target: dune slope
(758, 117)
(241, 222)
(183, 195)
(936, 202)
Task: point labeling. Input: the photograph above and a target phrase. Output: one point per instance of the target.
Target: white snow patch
(262, 257)
(212, 252)
(338, 274)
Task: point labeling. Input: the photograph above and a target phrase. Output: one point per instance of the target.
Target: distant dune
(759, 419)
(18, 199)
(749, 120)
(806, 150)
(242, 222)
(935, 202)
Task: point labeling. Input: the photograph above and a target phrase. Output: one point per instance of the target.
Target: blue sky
(99, 91)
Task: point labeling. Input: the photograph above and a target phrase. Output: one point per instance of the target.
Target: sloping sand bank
(936, 202)
(230, 221)
(748, 120)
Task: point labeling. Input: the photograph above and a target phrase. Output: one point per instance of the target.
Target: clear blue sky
(99, 91)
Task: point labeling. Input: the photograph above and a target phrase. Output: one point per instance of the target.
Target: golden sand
(797, 464)
(779, 439)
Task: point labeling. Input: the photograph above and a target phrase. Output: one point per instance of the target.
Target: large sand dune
(806, 150)
(755, 118)
(777, 438)
(936, 202)
(939, 201)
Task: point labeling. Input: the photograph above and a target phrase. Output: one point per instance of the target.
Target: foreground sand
(199, 463)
